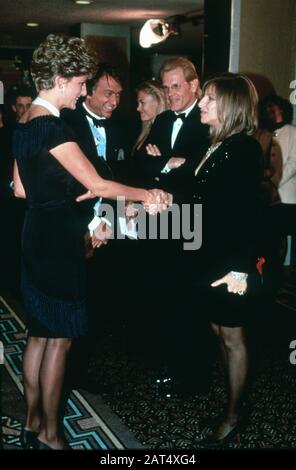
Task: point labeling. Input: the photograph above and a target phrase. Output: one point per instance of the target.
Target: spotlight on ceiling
(32, 25)
(155, 31)
(83, 2)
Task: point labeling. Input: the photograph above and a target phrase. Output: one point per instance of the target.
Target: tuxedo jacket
(115, 146)
(116, 142)
(191, 143)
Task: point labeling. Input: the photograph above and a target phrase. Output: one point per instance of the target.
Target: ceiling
(57, 16)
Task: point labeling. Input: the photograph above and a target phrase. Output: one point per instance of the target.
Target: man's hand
(130, 211)
(89, 251)
(159, 202)
(101, 235)
(153, 150)
(175, 162)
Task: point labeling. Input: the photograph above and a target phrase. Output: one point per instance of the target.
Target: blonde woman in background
(151, 100)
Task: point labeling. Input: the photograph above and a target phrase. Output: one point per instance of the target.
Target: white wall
(264, 40)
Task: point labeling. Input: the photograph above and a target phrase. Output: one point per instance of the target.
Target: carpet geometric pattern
(84, 428)
(178, 423)
(160, 423)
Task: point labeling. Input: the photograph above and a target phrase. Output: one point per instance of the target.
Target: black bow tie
(97, 122)
(181, 116)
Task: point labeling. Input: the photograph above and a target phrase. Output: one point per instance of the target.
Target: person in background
(18, 101)
(49, 163)
(152, 101)
(4, 158)
(177, 134)
(176, 143)
(22, 100)
(277, 114)
(5, 207)
(102, 138)
(104, 142)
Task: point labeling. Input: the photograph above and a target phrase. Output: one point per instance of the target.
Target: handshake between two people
(156, 202)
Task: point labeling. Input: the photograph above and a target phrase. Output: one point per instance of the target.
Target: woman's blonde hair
(60, 55)
(237, 102)
(155, 89)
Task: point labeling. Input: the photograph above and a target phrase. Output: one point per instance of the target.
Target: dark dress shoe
(42, 446)
(28, 439)
(214, 441)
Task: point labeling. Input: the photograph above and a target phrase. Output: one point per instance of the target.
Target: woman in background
(151, 100)
(276, 115)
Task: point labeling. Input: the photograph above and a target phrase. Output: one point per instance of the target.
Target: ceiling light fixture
(32, 25)
(83, 2)
(154, 32)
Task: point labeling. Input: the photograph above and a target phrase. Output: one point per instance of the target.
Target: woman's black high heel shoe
(28, 439)
(214, 441)
(42, 446)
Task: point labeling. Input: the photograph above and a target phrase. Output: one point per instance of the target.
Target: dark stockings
(234, 352)
(44, 370)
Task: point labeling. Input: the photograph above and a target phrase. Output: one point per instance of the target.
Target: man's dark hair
(104, 69)
(21, 90)
(284, 105)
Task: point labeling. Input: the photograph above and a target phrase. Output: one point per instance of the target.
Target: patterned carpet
(176, 423)
(156, 422)
(86, 426)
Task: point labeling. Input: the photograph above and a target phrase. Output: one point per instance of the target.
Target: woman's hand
(158, 201)
(236, 282)
(85, 196)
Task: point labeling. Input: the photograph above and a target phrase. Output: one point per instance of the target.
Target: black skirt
(53, 272)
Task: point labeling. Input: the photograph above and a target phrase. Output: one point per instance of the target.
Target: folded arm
(18, 187)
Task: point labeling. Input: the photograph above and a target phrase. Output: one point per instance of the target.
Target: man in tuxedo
(104, 143)
(178, 132)
(102, 139)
